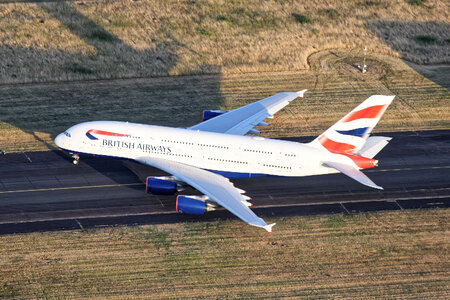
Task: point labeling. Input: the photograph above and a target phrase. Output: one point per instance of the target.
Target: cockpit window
(67, 134)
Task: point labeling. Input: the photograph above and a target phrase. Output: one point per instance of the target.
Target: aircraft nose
(59, 140)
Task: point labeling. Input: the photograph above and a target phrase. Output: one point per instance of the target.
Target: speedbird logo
(107, 133)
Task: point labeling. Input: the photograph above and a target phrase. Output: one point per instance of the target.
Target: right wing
(241, 120)
(353, 173)
(216, 187)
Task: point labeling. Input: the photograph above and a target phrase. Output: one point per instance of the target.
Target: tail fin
(350, 133)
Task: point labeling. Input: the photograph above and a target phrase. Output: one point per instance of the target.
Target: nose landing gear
(76, 159)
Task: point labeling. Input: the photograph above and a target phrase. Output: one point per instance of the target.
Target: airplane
(207, 155)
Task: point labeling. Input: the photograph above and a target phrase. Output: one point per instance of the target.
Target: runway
(42, 191)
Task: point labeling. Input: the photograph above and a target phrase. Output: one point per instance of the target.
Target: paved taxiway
(45, 191)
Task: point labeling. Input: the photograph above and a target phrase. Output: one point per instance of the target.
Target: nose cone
(59, 140)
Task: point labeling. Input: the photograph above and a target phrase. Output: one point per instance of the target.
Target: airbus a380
(207, 155)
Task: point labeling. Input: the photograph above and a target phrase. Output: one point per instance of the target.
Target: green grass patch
(426, 39)
(159, 239)
(9, 291)
(302, 19)
(205, 32)
(336, 221)
(417, 2)
(253, 20)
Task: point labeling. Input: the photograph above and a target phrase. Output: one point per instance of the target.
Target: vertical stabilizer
(350, 133)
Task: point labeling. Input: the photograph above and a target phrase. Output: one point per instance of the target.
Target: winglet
(269, 227)
(300, 93)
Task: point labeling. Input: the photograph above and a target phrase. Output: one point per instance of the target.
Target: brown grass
(66, 40)
(381, 255)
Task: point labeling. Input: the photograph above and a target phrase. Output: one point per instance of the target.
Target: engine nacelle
(209, 114)
(194, 205)
(160, 186)
(190, 205)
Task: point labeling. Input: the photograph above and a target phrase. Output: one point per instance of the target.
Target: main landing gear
(76, 159)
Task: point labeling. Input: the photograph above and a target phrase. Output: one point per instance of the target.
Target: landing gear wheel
(76, 159)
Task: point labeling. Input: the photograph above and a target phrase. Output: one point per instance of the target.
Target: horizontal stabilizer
(353, 173)
(373, 145)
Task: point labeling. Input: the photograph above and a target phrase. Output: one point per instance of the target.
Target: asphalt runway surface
(44, 191)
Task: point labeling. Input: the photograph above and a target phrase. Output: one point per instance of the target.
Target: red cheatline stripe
(107, 133)
(333, 146)
(366, 113)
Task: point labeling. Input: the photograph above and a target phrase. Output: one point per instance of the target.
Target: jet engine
(209, 114)
(193, 205)
(162, 186)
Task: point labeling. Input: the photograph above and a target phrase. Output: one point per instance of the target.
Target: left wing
(241, 120)
(216, 187)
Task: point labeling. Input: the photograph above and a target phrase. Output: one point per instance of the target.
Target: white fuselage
(206, 150)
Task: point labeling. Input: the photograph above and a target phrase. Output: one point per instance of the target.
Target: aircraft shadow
(57, 106)
(415, 40)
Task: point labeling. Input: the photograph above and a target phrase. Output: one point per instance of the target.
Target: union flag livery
(350, 133)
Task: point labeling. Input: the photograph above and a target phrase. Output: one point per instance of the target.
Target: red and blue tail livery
(350, 133)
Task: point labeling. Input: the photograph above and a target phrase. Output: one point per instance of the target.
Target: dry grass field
(365, 256)
(163, 62)
(66, 40)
